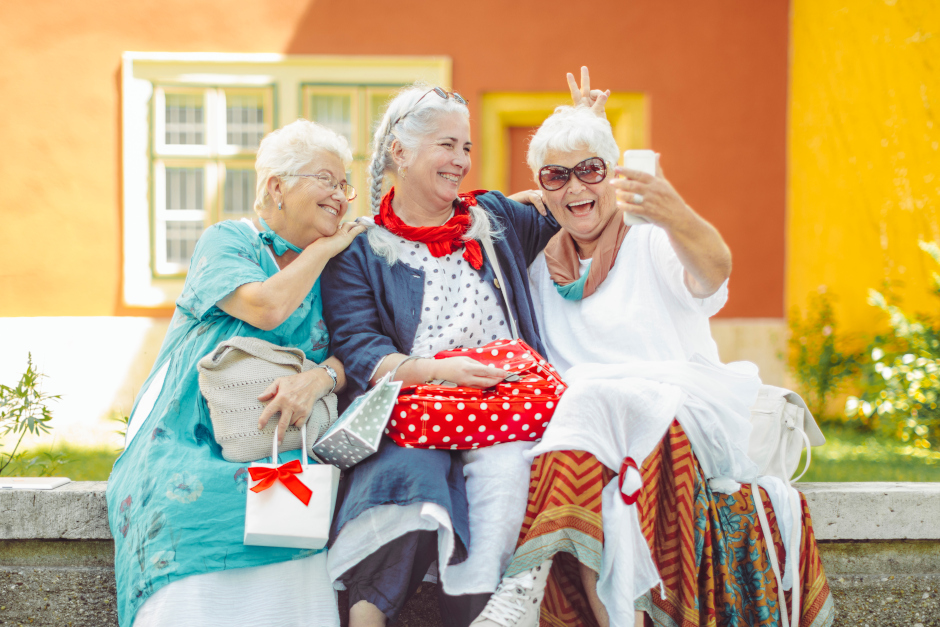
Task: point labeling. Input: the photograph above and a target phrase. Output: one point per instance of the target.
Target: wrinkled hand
(661, 204)
(293, 396)
(531, 197)
(584, 95)
(467, 372)
(339, 241)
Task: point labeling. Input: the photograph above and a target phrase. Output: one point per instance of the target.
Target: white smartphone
(644, 161)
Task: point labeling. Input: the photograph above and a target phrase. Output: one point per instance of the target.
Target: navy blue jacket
(373, 309)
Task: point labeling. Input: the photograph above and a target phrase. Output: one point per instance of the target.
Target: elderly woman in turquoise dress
(175, 506)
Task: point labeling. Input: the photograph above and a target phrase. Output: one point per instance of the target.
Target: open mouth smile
(581, 208)
(452, 178)
(330, 210)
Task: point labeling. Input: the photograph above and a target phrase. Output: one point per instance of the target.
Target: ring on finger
(637, 199)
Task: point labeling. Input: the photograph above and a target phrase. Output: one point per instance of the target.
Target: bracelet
(332, 375)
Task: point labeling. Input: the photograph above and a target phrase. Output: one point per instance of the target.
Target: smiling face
(582, 209)
(432, 175)
(312, 209)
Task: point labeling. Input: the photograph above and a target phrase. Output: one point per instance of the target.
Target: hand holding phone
(643, 161)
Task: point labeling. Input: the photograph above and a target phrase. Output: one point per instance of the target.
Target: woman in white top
(623, 312)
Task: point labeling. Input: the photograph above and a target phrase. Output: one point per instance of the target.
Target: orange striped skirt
(708, 547)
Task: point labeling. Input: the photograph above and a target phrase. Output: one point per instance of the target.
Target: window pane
(181, 240)
(333, 111)
(184, 188)
(239, 192)
(378, 106)
(244, 116)
(185, 119)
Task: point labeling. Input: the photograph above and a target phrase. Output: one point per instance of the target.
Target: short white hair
(285, 151)
(569, 129)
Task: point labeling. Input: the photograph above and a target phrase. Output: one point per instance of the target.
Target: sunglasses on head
(553, 177)
(438, 91)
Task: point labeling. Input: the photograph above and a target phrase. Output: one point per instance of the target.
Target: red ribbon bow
(286, 473)
(441, 240)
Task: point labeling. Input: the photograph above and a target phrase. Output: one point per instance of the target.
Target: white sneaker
(517, 600)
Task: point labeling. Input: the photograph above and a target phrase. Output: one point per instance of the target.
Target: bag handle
(303, 447)
(491, 253)
(809, 454)
(794, 614)
(292, 357)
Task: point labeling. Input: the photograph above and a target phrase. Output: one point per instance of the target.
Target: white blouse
(460, 309)
(643, 310)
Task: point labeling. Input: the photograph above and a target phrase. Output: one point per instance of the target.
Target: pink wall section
(715, 73)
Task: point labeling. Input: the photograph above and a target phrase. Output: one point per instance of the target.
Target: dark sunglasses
(593, 170)
(440, 92)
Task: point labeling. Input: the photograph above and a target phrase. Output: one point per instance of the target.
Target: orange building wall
(715, 73)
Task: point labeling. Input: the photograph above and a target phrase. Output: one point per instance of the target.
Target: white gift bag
(275, 512)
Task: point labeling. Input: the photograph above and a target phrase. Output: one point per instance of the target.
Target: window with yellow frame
(190, 127)
(353, 111)
(204, 144)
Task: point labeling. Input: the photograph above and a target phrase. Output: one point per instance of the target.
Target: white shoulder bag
(782, 426)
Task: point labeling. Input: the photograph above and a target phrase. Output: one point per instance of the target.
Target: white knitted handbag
(232, 377)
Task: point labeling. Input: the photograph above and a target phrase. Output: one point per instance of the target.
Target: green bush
(23, 409)
(822, 359)
(902, 383)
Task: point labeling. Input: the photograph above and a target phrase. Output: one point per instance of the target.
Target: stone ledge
(75, 511)
(874, 511)
(841, 511)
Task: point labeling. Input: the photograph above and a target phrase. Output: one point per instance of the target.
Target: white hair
(569, 129)
(285, 151)
(409, 118)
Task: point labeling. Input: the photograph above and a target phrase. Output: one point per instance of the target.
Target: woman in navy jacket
(409, 287)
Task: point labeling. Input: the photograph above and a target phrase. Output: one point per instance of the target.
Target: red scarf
(441, 240)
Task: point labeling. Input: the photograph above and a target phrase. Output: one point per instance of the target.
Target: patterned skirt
(708, 547)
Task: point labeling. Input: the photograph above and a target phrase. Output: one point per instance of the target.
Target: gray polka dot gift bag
(355, 435)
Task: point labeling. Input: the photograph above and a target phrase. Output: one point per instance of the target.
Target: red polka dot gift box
(447, 417)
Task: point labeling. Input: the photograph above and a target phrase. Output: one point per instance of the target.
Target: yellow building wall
(60, 243)
(864, 152)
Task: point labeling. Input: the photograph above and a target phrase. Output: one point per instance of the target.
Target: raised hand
(650, 197)
(584, 95)
(339, 241)
(531, 197)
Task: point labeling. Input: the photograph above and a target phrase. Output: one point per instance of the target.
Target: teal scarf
(275, 241)
(574, 290)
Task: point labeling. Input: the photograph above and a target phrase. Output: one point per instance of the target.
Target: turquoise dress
(175, 506)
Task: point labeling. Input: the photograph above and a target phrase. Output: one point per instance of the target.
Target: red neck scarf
(441, 240)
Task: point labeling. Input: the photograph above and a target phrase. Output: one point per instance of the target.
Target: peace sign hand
(584, 95)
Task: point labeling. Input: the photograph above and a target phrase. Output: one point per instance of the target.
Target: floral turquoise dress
(176, 508)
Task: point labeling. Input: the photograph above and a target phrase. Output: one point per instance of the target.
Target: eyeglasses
(327, 181)
(440, 92)
(553, 177)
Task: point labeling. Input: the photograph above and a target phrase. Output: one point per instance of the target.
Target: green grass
(846, 456)
(849, 455)
(79, 464)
